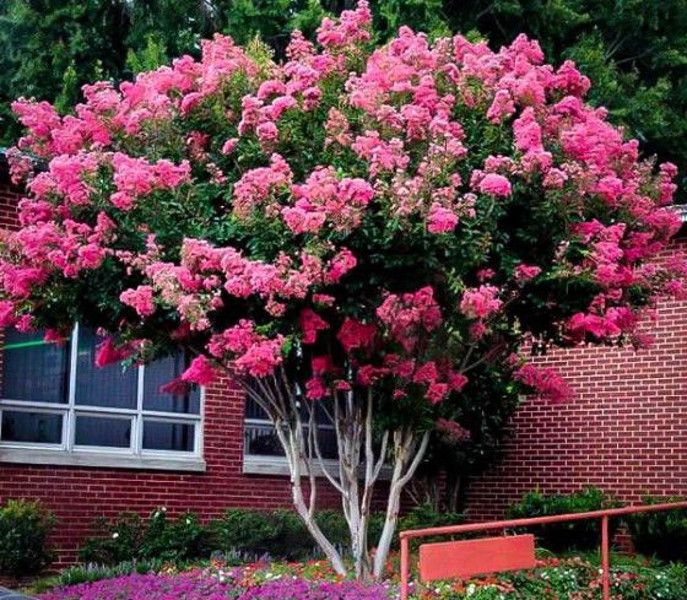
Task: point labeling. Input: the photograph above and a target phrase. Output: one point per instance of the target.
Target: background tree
(362, 234)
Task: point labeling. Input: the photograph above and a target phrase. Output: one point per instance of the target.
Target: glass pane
(261, 440)
(98, 431)
(111, 386)
(323, 408)
(158, 435)
(253, 410)
(33, 370)
(39, 428)
(161, 372)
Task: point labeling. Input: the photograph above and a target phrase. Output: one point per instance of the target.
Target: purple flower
(186, 586)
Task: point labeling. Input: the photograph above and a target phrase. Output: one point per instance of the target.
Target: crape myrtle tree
(359, 234)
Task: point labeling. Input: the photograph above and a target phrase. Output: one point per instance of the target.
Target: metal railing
(604, 515)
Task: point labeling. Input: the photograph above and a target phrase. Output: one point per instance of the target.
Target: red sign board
(467, 558)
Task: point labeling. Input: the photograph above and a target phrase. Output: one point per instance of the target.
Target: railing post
(605, 559)
(405, 568)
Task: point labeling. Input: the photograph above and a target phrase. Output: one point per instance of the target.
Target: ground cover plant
(555, 579)
(362, 235)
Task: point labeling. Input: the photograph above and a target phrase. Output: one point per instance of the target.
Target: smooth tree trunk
(360, 464)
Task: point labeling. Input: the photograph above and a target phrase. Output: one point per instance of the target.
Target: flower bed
(151, 586)
(250, 583)
(554, 579)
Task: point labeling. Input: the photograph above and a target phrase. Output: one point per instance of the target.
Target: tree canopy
(361, 232)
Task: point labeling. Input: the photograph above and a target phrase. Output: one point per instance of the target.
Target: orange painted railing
(505, 553)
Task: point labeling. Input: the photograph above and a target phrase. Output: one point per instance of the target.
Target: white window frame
(133, 457)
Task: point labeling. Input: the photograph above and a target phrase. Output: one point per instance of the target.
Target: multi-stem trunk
(361, 461)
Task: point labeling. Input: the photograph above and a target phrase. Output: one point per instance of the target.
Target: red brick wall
(9, 196)
(625, 431)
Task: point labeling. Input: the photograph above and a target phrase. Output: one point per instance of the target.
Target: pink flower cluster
(410, 316)
(481, 302)
(136, 177)
(249, 351)
(545, 381)
(324, 198)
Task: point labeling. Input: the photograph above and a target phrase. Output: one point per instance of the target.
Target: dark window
(112, 386)
(33, 370)
(102, 431)
(261, 439)
(161, 435)
(126, 398)
(31, 427)
(159, 373)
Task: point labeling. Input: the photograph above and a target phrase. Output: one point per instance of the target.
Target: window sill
(254, 464)
(100, 459)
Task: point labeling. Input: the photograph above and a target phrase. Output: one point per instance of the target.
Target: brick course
(624, 431)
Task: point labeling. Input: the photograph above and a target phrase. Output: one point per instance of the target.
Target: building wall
(624, 431)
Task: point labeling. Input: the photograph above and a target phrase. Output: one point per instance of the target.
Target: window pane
(111, 386)
(159, 373)
(97, 431)
(159, 435)
(33, 370)
(39, 428)
(261, 440)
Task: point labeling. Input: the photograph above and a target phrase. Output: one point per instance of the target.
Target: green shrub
(24, 527)
(115, 541)
(241, 535)
(130, 538)
(573, 535)
(663, 534)
(177, 540)
(280, 533)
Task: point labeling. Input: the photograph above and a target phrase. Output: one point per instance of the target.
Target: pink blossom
(140, 299)
(316, 389)
(410, 316)
(545, 382)
(495, 185)
(200, 371)
(7, 315)
(525, 272)
(501, 107)
(355, 335)
(341, 264)
(481, 302)
(261, 358)
(457, 381)
(440, 219)
(107, 353)
(311, 323)
(176, 387)
(437, 392)
(229, 146)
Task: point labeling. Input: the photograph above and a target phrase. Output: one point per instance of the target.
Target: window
(262, 450)
(57, 407)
